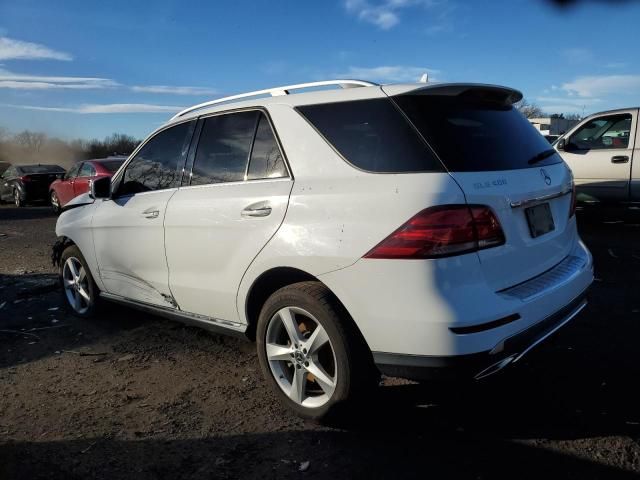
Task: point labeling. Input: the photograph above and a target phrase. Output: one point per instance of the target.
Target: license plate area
(539, 219)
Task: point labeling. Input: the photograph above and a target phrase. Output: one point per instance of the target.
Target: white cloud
(174, 90)
(105, 108)
(11, 49)
(577, 101)
(42, 82)
(388, 73)
(384, 14)
(603, 85)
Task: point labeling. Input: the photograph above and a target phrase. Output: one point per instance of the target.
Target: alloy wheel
(301, 357)
(76, 285)
(16, 198)
(55, 203)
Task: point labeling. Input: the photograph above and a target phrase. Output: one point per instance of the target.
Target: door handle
(256, 211)
(619, 159)
(151, 213)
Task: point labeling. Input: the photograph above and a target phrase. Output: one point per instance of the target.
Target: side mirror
(562, 144)
(101, 188)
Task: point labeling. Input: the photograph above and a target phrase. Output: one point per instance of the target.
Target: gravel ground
(129, 395)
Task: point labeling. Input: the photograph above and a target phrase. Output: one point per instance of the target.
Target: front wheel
(309, 352)
(55, 202)
(79, 291)
(17, 199)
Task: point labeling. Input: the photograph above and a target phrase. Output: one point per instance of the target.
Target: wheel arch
(276, 278)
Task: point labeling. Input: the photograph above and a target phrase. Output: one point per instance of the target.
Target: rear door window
(475, 135)
(266, 157)
(158, 164)
(372, 135)
(224, 148)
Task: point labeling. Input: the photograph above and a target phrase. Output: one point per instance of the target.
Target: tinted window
(475, 135)
(223, 149)
(158, 164)
(10, 172)
(73, 172)
(112, 165)
(604, 132)
(28, 169)
(87, 170)
(372, 135)
(266, 158)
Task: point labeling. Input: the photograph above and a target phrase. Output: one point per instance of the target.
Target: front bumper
(479, 365)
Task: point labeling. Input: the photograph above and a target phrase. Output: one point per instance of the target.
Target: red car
(76, 180)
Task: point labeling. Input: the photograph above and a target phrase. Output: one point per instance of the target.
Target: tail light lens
(441, 232)
(26, 178)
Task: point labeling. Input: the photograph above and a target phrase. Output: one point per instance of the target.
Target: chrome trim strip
(495, 368)
(209, 323)
(530, 201)
(569, 317)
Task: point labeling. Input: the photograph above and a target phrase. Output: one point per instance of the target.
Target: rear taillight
(572, 208)
(441, 232)
(26, 178)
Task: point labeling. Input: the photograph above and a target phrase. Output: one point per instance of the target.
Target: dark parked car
(76, 180)
(28, 183)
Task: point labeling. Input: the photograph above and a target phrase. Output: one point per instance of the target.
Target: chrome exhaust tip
(496, 367)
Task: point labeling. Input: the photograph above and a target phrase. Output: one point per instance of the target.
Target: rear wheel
(55, 202)
(79, 291)
(309, 353)
(17, 199)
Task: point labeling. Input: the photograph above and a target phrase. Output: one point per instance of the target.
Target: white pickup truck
(603, 154)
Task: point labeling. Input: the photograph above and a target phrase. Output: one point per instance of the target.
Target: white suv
(414, 230)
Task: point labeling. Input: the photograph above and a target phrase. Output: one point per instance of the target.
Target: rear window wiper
(541, 156)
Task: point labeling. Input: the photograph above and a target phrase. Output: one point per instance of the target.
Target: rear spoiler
(477, 91)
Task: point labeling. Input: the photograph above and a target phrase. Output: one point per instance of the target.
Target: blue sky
(88, 69)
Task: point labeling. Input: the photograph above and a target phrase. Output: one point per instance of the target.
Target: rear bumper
(479, 365)
(441, 315)
(34, 192)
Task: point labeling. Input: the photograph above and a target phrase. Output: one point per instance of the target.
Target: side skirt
(208, 323)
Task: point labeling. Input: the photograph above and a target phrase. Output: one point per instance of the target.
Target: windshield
(112, 165)
(29, 169)
(475, 135)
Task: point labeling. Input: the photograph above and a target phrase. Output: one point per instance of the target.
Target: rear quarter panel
(337, 213)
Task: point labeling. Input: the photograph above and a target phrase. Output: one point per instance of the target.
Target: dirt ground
(129, 395)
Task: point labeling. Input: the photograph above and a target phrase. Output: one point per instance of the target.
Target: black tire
(17, 199)
(73, 251)
(350, 351)
(55, 202)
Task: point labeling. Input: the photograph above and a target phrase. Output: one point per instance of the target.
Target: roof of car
(38, 165)
(310, 93)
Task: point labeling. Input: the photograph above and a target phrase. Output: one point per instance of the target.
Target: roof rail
(276, 91)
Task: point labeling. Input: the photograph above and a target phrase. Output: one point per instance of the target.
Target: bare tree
(32, 141)
(529, 110)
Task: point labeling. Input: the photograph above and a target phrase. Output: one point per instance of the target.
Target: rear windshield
(112, 165)
(372, 135)
(29, 169)
(472, 135)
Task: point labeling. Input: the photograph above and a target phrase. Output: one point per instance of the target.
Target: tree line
(28, 147)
